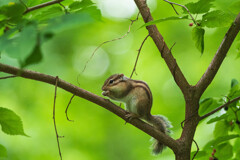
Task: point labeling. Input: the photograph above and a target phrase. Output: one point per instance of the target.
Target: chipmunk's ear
(125, 78)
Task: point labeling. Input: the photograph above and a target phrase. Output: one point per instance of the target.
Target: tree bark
(184, 156)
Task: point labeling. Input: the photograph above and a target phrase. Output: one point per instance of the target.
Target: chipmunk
(138, 99)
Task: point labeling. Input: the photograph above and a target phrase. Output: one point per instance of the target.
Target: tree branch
(42, 5)
(219, 108)
(165, 139)
(212, 69)
(162, 47)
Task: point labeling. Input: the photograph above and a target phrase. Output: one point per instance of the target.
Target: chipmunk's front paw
(130, 116)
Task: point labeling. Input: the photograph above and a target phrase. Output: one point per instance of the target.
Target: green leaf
(234, 82)
(2, 17)
(234, 91)
(218, 118)
(224, 151)
(13, 11)
(79, 5)
(236, 145)
(48, 13)
(221, 129)
(231, 115)
(198, 37)
(11, 122)
(21, 44)
(3, 151)
(68, 21)
(217, 19)
(209, 104)
(86, 6)
(164, 19)
(220, 140)
(93, 11)
(202, 6)
(237, 154)
(34, 58)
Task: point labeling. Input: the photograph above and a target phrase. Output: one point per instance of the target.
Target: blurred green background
(97, 134)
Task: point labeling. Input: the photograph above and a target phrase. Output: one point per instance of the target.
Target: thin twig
(42, 5)
(172, 46)
(129, 29)
(54, 120)
(7, 77)
(65, 9)
(196, 151)
(139, 50)
(174, 9)
(183, 7)
(68, 106)
(235, 113)
(219, 108)
(186, 120)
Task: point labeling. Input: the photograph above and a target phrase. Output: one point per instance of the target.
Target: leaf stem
(194, 21)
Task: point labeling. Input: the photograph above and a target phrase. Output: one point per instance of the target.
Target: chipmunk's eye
(111, 81)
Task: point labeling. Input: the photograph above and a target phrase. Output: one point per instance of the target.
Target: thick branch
(211, 71)
(219, 108)
(42, 5)
(165, 139)
(162, 47)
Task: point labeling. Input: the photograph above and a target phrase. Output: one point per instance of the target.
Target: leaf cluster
(205, 16)
(23, 31)
(227, 126)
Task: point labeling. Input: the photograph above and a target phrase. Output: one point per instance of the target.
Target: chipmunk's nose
(105, 93)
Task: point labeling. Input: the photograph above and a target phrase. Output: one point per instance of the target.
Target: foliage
(23, 34)
(210, 18)
(227, 125)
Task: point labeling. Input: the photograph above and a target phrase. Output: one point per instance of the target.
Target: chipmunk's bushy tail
(162, 124)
